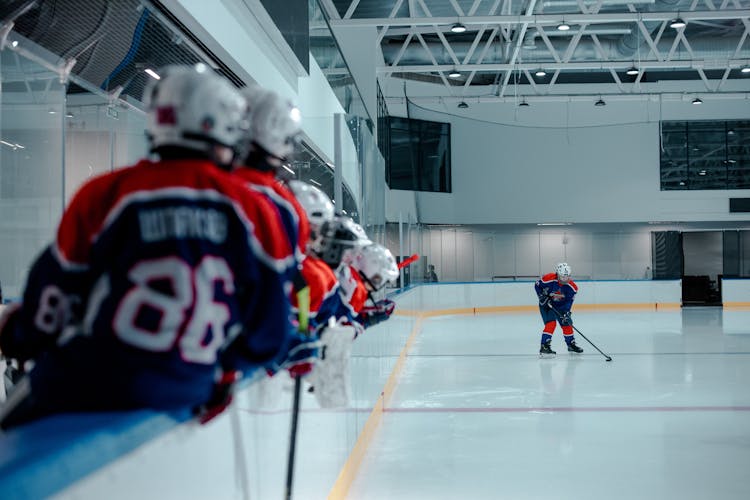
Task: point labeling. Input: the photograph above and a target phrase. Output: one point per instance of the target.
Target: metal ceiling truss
(606, 38)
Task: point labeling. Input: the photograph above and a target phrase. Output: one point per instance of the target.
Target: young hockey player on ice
(556, 293)
(156, 270)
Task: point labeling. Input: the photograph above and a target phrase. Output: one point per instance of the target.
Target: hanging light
(632, 71)
(523, 104)
(153, 74)
(600, 102)
(677, 23)
(454, 73)
(745, 69)
(697, 100)
(540, 73)
(458, 28)
(563, 26)
(463, 105)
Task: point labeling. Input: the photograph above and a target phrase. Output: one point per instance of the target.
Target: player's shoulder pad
(548, 278)
(265, 219)
(572, 284)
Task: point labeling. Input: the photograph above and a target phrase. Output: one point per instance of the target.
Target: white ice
(477, 415)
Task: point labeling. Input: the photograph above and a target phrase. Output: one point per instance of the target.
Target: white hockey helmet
(563, 270)
(275, 122)
(195, 108)
(337, 240)
(376, 264)
(316, 203)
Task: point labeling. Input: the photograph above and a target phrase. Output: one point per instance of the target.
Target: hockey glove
(372, 315)
(301, 358)
(356, 326)
(543, 299)
(221, 398)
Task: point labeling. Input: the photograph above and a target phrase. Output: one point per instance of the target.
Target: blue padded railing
(44, 457)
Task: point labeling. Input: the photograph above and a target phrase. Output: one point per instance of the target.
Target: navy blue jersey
(562, 295)
(155, 270)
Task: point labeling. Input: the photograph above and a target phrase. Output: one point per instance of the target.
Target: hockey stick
(303, 308)
(408, 261)
(608, 358)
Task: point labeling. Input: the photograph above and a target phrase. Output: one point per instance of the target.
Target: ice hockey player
(274, 124)
(337, 244)
(556, 292)
(325, 300)
(377, 267)
(156, 270)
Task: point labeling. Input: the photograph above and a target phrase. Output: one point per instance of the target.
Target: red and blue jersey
(325, 300)
(353, 291)
(562, 295)
(158, 270)
(292, 214)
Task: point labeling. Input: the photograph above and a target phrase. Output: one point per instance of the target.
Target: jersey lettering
(181, 288)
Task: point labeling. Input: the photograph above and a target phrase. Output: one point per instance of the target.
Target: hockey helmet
(274, 121)
(376, 265)
(316, 203)
(563, 270)
(192, 107)
(337, 240)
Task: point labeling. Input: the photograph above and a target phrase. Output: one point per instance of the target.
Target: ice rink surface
(477, 414)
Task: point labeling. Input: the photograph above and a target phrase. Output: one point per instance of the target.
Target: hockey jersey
(292, 214)
(562, 295)
(325, 300)
(353, 289)
(155, 270)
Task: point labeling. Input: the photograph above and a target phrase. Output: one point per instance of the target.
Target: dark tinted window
(419, 157)
(705, 155)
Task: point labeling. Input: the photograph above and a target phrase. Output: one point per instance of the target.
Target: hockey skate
(546, 350)
(572, 347)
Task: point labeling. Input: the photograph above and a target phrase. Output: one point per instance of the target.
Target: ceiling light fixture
(153, 74)
(540, 73)
(697, 100)
(600, 102)
(463, 105)
(454, 73)
(563, 26)
(632, 71)
(14, 43)
(745, 69)
(523, 104)
(677, 23)
(458, 28)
